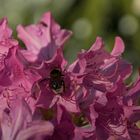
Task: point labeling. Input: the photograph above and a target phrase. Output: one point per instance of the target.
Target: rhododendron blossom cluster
(42, 97)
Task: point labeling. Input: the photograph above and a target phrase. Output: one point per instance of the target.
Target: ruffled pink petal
(62, 35)
(42, 39)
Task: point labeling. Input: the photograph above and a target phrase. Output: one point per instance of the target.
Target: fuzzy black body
(56, 82)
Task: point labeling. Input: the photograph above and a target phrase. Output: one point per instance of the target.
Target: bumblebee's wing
(36, 88)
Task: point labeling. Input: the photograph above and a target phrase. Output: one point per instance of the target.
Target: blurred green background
(87, 19)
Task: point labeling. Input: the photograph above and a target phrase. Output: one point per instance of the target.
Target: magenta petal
(134, 92)
(85, 133)
(97, 45)
(57, 61)
(45, 99)
(77, 67)
(16, 80)
(6, 41)
(115, 69)
(18, 118)
(5, 31)
(70, 106)
(64, 129)
(36, 129)
(62, 35)
(118, 47)
(3, 104)
(101, 132)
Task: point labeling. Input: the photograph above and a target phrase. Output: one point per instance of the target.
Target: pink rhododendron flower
(102, 69)
(118, 117)
(103, 74)
(92, 76)
(16, 79)
(44, 98)
(56, 85)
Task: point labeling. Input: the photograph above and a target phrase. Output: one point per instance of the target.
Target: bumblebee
(56, 81)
